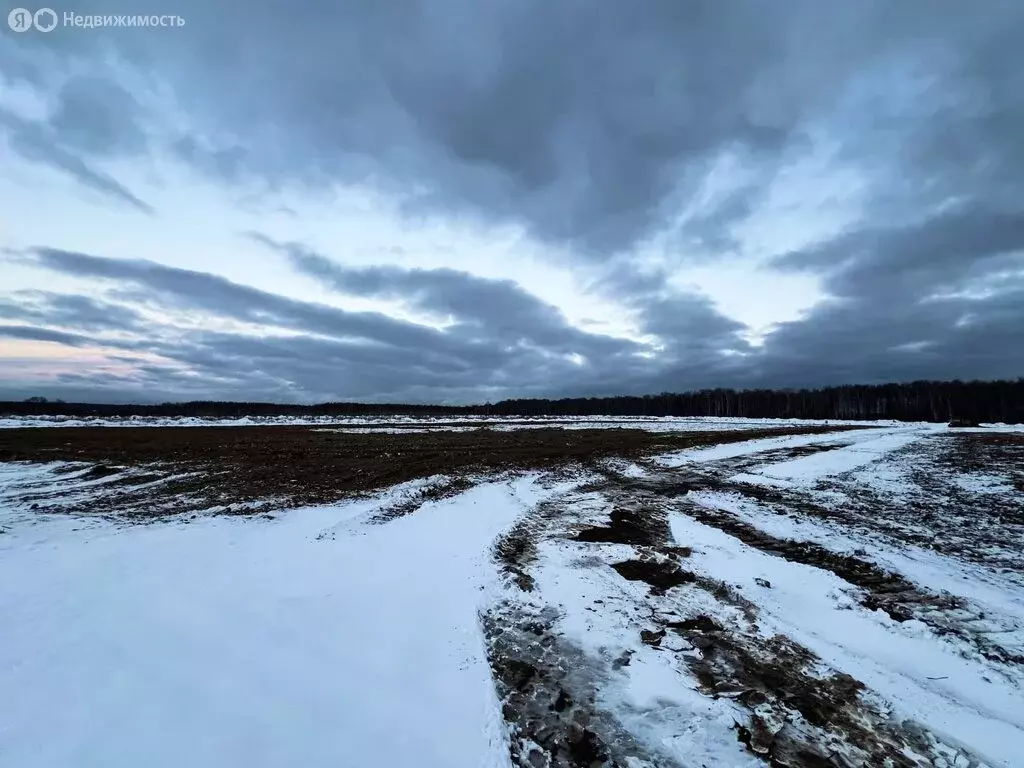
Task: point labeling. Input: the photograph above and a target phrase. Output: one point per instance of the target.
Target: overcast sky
(461, 201)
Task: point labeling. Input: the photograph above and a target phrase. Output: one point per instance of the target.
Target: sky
(459, 202)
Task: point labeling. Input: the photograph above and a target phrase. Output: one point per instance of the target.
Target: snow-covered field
(306, 640)
(837, 599)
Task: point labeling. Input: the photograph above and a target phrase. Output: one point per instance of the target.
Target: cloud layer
(628, 141)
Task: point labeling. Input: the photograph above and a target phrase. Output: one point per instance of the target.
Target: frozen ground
(847, 599)
(691, 602)
(399, 424)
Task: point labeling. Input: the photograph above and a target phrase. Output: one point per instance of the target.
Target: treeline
(981, 401)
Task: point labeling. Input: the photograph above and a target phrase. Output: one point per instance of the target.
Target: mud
(99, 471)
(934, 510)
(517, 549)
(696, 624)
(888, 591)
(798, 712)
(794, 712)
(548, 690)
(883, 590)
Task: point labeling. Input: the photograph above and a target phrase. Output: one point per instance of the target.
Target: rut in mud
(548, 691)
(445, 488)
(883, 590)
(943, 509)
(936, 505)
(798, 711)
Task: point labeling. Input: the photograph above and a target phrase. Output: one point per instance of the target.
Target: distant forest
(981, 401)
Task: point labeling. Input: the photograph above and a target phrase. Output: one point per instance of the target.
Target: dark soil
(296, 466)
(935, 511)
(99, 472)
(662, 576)
(696, 624)
(628, 527)
(515, 550)
(883, 590)
(774, 679)
(981, 452)
(793, 714)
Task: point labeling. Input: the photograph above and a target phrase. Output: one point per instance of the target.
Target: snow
(979, 482)
(645, 696)
(971, 704)
(994, 593)
(806, 470)
(253, 642)
(938, 681)
(853, 439)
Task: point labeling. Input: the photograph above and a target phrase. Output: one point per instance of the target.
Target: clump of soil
(629, 527)
(98, 472)
(697, 624)
(661, 575)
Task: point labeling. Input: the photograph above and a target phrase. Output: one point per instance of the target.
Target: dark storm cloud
(97, 116)
(326, 353)
(691, 332)
(928, 283)
(37, 143)
(199, 290)
(32, 333)
(70, 311)
(325, 350)
(871, 342)
(690, 324)
(504, 342)
(941, 250)
(499, 310)
(938, 298)
(696, 343)
(589, 124)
